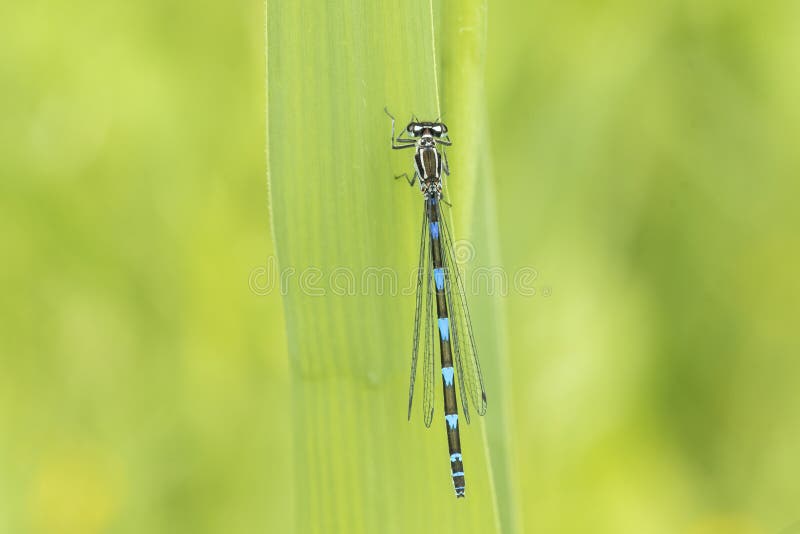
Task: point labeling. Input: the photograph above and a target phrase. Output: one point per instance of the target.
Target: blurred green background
(645, 164)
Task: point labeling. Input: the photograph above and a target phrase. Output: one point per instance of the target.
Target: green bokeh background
(645, 164)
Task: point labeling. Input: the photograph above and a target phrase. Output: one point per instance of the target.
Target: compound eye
(417, 130)
(437, 130)
(410, 128)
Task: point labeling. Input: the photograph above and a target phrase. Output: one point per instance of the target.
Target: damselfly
(448, 315)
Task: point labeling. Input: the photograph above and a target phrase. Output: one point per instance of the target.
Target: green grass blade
(342, 226)
(462, 42)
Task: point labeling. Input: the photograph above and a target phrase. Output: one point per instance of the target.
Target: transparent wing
(455, 336)
(430, 339)
(466, 354)
(421, 272)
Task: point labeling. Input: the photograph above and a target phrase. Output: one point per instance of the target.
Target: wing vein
(467, 352)
(418, 313)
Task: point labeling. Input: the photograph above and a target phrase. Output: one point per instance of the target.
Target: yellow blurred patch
(73, 493)
(726, 525)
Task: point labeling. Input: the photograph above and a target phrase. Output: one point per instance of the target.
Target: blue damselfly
(448, 314)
